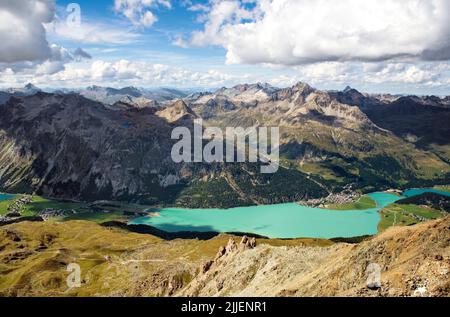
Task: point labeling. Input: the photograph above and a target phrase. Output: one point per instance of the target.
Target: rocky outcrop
(177, 112)
(208, 270)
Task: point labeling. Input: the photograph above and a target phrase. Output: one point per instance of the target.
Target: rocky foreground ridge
(413, 261)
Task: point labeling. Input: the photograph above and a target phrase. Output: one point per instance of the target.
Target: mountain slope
(413, 261)
(67, 146)
(402, 118)
(333, 136)
(131, 95)
(4, 97)
(28, 90)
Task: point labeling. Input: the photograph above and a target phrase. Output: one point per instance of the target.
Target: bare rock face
(67, 146)
(206, 266)
(178, 111)
(224, 256)
(231, 249)
(220, 254)
(231, 246)
(70, 147)
(247, 244)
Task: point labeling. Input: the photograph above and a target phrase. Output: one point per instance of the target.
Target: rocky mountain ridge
(68, 146)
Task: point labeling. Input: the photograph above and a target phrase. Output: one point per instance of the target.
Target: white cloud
(325, 75)
(118, 73)
(49, 67)
(91, 33)
(222, 14)
(406, 73)
(22, 34)
(328, 71)
(149, 74)
(198, 7)
(139, 11)
(294, 32)
(376, 73)
(180, 42)
(7, 78)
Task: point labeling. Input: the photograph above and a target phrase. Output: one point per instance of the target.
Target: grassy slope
(365, 202)
(39, 203)
(444, 188)
(112, 261)
(404, 215)
(4, 206)
(97, 217)
(83, 211)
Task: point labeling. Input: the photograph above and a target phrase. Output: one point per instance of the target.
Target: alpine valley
(114, 144)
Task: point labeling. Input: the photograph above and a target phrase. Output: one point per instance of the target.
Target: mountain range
(107, 95)
(106, 143)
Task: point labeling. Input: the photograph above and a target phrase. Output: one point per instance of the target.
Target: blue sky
(395, 46)
(154, 43)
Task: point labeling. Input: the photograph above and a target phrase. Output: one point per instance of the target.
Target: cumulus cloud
(407, 73)
(49, 67)
(294, 32)
(126, 71)
(91, 33)
(22, 33)
(180, 42)
(339, 74)
(114, 73)
(325, 75)
(139, 12)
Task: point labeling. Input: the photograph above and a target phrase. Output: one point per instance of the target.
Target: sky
(376, 46)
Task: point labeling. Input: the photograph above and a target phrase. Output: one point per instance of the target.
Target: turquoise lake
(274, 221)
(6, 196)
(278, 221)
